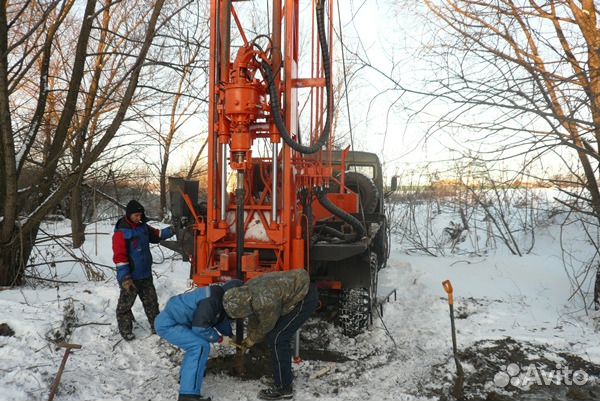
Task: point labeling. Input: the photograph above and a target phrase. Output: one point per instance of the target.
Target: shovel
(448, 288)
(55, 383)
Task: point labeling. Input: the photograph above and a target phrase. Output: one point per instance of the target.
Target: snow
(255, 230)
(497, 296)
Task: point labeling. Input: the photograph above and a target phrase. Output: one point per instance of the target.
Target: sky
(390, 36)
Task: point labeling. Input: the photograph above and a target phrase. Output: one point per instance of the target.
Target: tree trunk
(10, 267)
(76, 215)
(14, 256)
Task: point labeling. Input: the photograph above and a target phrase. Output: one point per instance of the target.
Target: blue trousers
(196, 349)
(279, 338)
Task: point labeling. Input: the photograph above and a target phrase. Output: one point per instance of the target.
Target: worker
(191, 321)
(131, 254)
(276, 305)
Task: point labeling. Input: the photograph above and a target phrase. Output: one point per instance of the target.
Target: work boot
(128, 336)
(192, 397)
(277, 393)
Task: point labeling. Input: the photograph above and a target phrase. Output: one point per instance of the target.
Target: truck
(275, 197)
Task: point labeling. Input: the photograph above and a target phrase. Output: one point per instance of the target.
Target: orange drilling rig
(297, 203)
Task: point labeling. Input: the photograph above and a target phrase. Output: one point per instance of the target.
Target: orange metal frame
(239, 118)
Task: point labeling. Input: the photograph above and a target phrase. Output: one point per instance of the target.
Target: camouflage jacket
(265, 299)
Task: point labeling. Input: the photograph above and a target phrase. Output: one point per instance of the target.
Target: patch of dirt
(256, 362)
(494, 371)
(6, 330)
(315, 338)
(470, 306)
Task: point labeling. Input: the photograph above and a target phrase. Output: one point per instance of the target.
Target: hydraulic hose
(274, 96)
(336, 233)
(342, 214)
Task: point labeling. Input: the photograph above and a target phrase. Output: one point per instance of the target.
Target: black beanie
(134, 207)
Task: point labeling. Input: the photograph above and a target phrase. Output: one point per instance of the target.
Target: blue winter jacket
(205, 302)
(131, 248)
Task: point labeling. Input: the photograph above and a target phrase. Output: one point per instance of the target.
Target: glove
(129, 286)
(247, 342)
(228, 341)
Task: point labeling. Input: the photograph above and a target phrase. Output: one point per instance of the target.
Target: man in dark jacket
(131, 254)
(276, 305)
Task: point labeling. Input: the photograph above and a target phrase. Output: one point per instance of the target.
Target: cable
(342, 214)
(335, 233)
(386, 330)
(274, 97)
(254, 44)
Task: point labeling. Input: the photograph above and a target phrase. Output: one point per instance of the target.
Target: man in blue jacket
(191, 321)
(131, 254)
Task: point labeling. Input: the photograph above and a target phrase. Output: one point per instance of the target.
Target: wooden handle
(449, 290)
(69, 346)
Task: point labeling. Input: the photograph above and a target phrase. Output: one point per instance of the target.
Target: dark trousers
(145, 289)
(280, 338)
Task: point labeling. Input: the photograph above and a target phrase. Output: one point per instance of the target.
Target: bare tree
(29, 45)
(179, 90)
(525, 75)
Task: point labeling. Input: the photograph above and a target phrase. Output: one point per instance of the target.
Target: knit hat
(135, 207)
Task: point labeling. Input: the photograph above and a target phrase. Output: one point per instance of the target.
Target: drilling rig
(277, 198)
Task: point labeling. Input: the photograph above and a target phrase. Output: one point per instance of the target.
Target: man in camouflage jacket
(276, 305)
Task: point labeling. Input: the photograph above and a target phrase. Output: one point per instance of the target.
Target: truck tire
(364, 187)
(353, 313)
(356, 304)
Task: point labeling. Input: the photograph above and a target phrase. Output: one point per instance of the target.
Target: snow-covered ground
(504, 304)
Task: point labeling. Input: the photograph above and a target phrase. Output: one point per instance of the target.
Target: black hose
(342, 214)
(332, 232)
(274, 96)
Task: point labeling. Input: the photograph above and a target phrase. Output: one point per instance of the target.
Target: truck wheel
(356, 304)
(362, 185)
(353, 312)
(382, 244)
